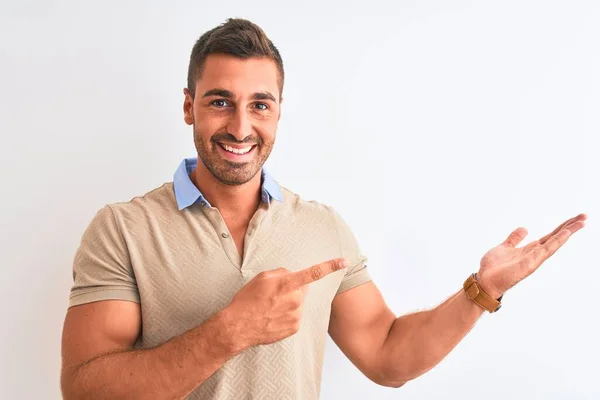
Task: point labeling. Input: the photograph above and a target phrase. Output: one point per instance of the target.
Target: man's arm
(98, 338)
(99, 361)
(391, 351)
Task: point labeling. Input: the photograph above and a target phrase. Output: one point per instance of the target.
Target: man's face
(235, 113)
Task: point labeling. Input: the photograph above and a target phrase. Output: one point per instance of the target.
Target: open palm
(506, 265)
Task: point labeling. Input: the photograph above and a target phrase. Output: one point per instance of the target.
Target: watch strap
(479, 297)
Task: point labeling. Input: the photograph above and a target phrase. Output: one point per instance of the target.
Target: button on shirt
(171, 251)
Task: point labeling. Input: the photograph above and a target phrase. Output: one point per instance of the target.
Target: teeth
(237, 151)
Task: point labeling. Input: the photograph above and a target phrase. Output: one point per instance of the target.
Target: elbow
(387, 380)
(390, 377)
(392, 383)
(389, 383)
(396, 385)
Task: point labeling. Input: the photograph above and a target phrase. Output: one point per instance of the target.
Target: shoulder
(299, 206)
(316, 213)
(118, 216)
(158, 201)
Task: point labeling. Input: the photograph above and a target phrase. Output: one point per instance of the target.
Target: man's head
(233, 98)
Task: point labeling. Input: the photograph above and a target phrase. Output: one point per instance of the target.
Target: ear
(188, 107)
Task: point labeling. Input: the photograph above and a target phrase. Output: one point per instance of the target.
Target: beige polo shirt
(180, 263)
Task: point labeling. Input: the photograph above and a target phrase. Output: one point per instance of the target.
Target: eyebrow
(228, 95)
(264, 96)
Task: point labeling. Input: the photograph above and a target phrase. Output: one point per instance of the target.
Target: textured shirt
(171, 251)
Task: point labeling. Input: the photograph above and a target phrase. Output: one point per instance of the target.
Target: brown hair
(237, 37)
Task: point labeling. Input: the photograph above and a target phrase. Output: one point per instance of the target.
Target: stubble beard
(229, 172)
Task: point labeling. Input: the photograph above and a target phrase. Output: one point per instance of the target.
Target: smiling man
(224, 285)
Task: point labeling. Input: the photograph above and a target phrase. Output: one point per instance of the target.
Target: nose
(239, 125)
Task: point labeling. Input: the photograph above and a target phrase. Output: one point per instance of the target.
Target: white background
(435, 128)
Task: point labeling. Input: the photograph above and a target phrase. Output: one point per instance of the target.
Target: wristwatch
(479, 297)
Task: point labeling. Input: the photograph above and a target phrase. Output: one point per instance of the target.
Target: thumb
(515, 237)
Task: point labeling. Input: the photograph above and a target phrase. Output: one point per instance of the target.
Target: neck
(241, 200)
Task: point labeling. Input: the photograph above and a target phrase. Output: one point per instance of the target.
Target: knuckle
(271, 303)
(263, 275)
(296, 325)
(316, 272)
(281, 286)
(297, 301)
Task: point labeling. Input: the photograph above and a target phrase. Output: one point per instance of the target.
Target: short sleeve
(101, 266)
(356, 273)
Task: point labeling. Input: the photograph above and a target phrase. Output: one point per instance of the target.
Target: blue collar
(186, 193)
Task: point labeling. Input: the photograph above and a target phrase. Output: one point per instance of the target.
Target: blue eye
(262, 106)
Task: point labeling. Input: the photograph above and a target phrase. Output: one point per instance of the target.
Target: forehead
(238, 75)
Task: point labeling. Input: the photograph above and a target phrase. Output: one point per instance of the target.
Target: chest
(189, 271)
(238, 235)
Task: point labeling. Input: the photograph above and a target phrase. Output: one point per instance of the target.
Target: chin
(236, 175)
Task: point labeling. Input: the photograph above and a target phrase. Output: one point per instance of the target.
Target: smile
(234, 150)
(238, 154)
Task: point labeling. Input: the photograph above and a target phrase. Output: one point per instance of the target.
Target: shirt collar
(186, 193)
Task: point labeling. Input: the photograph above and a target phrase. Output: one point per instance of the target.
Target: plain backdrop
(435, 128)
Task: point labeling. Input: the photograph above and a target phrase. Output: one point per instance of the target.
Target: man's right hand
(100, 361)
(269, 307)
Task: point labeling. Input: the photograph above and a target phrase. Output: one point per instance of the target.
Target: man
(223, 285)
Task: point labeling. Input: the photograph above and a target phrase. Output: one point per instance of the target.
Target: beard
(226, 171)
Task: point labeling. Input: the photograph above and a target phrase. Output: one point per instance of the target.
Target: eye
(220, 103)
(261, 106)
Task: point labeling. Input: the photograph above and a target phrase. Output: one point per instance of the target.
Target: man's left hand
(506, 265)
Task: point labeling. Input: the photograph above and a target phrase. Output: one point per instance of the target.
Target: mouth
(237, 153)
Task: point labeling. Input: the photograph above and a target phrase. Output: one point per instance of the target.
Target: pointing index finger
(296, 280)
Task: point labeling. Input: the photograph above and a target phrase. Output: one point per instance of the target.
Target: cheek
(208, 124)
(267, 128)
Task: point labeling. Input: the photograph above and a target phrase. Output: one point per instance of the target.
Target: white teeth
(237, 151)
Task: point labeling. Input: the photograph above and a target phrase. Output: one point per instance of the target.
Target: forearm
(169, 371)
(419, 341)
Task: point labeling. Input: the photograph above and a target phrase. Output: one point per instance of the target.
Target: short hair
(237, 37)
